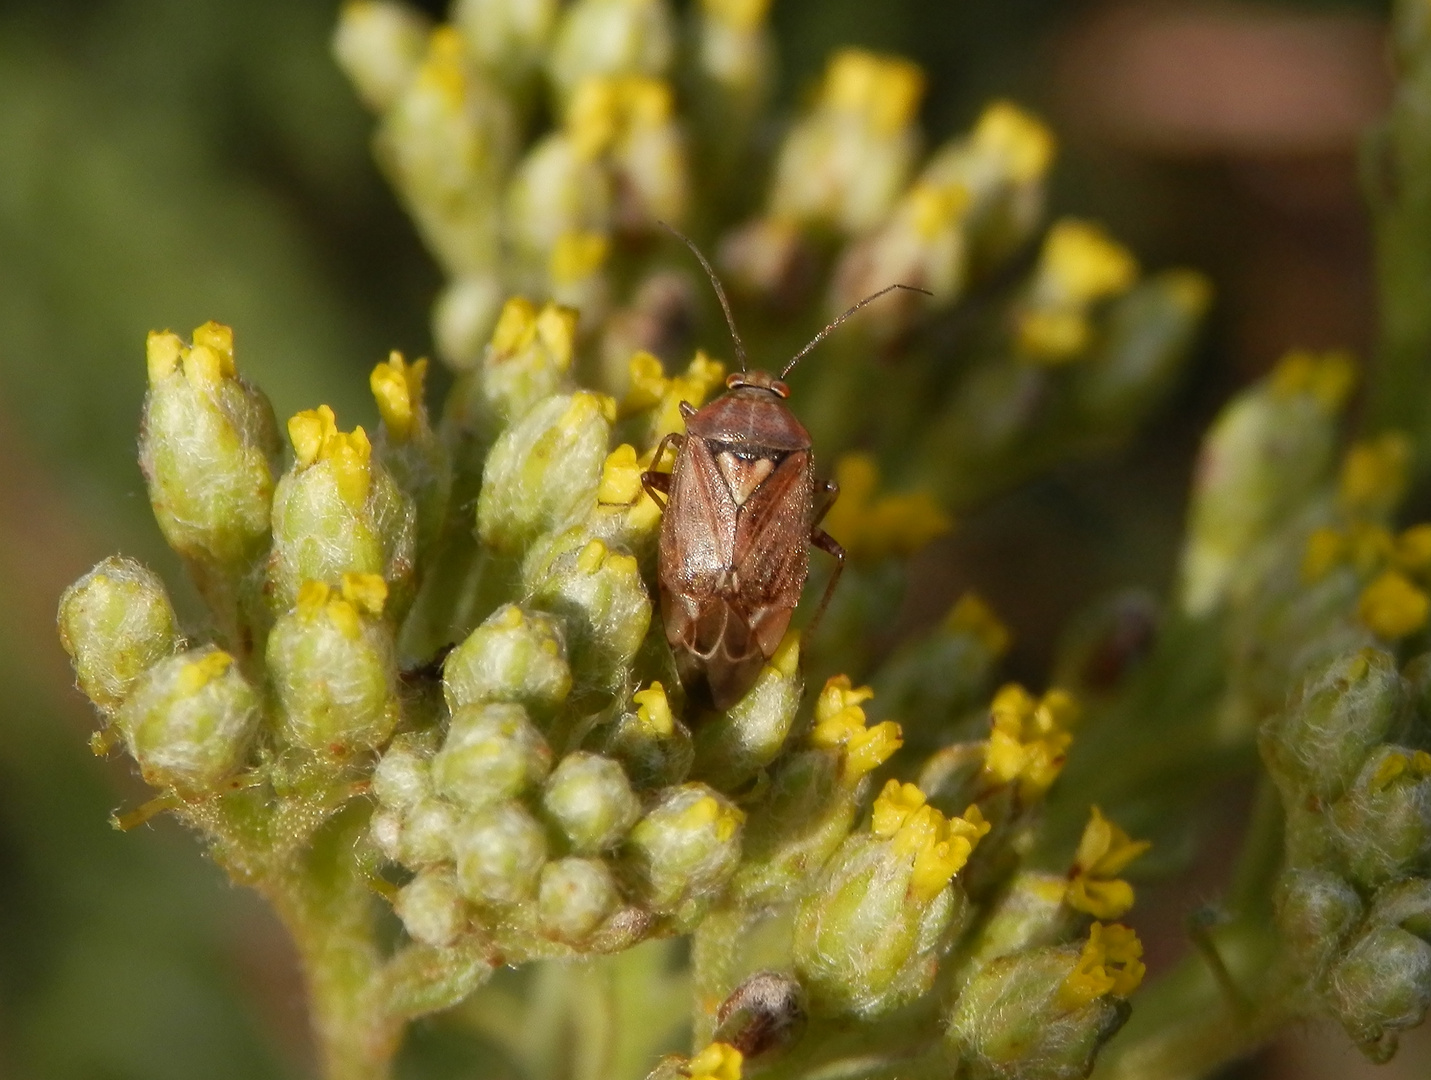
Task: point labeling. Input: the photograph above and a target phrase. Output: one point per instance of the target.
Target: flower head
(1111, 963)
(840, 722)
(1029, 739)
(1103, 852)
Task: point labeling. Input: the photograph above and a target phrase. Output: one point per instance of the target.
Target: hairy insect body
(734, 553)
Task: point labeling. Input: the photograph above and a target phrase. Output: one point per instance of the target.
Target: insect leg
(828, 544)
(832, 492)
(658, 484)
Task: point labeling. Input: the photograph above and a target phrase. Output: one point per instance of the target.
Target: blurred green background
(164, 162)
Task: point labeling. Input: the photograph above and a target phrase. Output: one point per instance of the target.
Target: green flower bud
(600, 596)
(379, 46)
(790, 835)
(446, 143)
(462, 319)
(1380, 987)
(733, 746)
(514, 656)
(1028, 914)
(1259, 463)
(1406, 904)
(116, 622)
(508, 37)
(333, 669)
(543, 472)
(590, 798)
(492, 753)
(500, 854)
(685, 849)
(1015, 1019)
(385, 833)
(611, 37)
(575, 897)
(189, 719)
(410, 451)
(561, 191)
(1316, 910)
(431, 908)
(1321, 740)
(528, 360)
(1383, 823)
(426, 831)
(207, 447)
(402, 777)
(867, 936)
(654, 747)
(336, 512)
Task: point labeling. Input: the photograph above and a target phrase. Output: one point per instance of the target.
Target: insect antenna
(719, 291)
(823, 334)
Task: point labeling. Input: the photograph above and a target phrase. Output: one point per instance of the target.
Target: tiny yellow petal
(164, 352)
(718, 1061)
(1020, 139)
(576, 256)
(1392, 607)
(591, 557)
(366, 591)
(197, 674)
(516, 326)
(654, 710)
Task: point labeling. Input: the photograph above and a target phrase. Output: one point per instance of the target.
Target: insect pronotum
(741, 508)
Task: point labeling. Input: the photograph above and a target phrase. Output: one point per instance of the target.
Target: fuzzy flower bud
(507, 37)
(337, 512)
(1259, 462)
(1316, 911)
(431, 908)
(650, 742)
(529, 358)
(589, 797)
(846, 161)
(734, 745)
(611, 37)
(600, 596)
(116, 623)
(574, 897)
(189, 719)
(515, 655)
(685, 849)
(421, 834)
(446, 144)
(1046, 1012)
(333, 669)
(866, 938)
(413, 455)
(500, 854)
(379, 46)
(561, 190)
(544, 471)
(1381, 986)
(207, 447)
(402, 776)
(492, 753)
(1323, 738)
(1383, 823)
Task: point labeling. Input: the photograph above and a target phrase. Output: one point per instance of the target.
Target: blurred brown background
(163, 162)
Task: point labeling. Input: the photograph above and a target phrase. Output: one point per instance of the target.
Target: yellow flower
(693, 386)
(940, 846)
(397, 388)
(1373, 476)
(1017, 138)
(840, 722)
(1103, 852)
(1080, 266)
(653, 710)
(1111, 963)
(972, 615)
(1029, 740)
(1417, 764)
(718, 1061)
(1392, 607)
(871, 528)
(621, 486)
(883, 90)
(1328, 377)
(197, 674)
(1413, 549)
(576, 256)
(316, 438)
(208, 361)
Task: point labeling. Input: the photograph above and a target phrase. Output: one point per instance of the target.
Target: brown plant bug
(740, 514)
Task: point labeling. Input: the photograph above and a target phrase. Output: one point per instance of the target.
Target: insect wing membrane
(772, 542)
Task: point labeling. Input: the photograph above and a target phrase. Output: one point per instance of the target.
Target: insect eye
(780, 389)
(734, 379)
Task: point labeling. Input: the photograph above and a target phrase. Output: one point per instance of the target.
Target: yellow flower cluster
(650, 388)
(521, 324)
(316, 438)
(397, 388)
(871, 527)
(1094, 886)
(883, 90)
(209, 359)
(1111, 963)
(1080, 266)
(840, 722)
(1020, 142)
(1327, 377)
(940, 846)
(1395, 601)
(1374, 474)
(1029, 739)
(1416, 765)
(359, 592)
